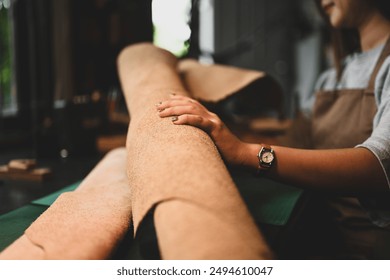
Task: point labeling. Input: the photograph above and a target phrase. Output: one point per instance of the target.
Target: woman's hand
(186, 111)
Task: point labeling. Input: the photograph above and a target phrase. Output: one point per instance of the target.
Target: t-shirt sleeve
(379, 141)
(379, 144)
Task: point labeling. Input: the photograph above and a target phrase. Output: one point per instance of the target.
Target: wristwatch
(266, 157)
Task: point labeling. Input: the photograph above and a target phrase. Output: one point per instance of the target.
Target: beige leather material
(215, 83)
(179, 169)
(205, 234)
(85, 224)
(22, 249)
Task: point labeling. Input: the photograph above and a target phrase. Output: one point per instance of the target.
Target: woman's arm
(348, 171)
(344, 171)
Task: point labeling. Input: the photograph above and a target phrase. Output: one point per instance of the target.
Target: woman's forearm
(347, 171)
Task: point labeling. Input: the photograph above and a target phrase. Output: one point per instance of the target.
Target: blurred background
(59, 88)
(60, 98)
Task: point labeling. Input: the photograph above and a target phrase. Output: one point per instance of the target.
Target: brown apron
(344, 119)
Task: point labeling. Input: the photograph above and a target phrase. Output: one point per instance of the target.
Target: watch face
(267, 157)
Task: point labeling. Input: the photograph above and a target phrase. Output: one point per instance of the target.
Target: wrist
(249, 158)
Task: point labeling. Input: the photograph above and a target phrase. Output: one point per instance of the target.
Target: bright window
(171, 25)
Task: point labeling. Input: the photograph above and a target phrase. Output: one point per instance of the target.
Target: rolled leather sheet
(87, 223)
(177, 169)
(213, 84)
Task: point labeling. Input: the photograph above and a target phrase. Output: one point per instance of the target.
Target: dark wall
(266, 35)
(100, 30)
(66, 53)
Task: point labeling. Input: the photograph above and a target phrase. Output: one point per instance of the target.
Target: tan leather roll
(85, 224)
(179, 170)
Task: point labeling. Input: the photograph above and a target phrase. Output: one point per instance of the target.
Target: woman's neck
(374, 31)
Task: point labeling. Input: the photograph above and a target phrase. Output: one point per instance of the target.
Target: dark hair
(346, 41)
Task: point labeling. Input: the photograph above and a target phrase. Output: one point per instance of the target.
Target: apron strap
(384, 54)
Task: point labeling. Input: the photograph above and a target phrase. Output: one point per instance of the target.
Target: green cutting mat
(269, 202)
(49, 200)
(14, 223)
